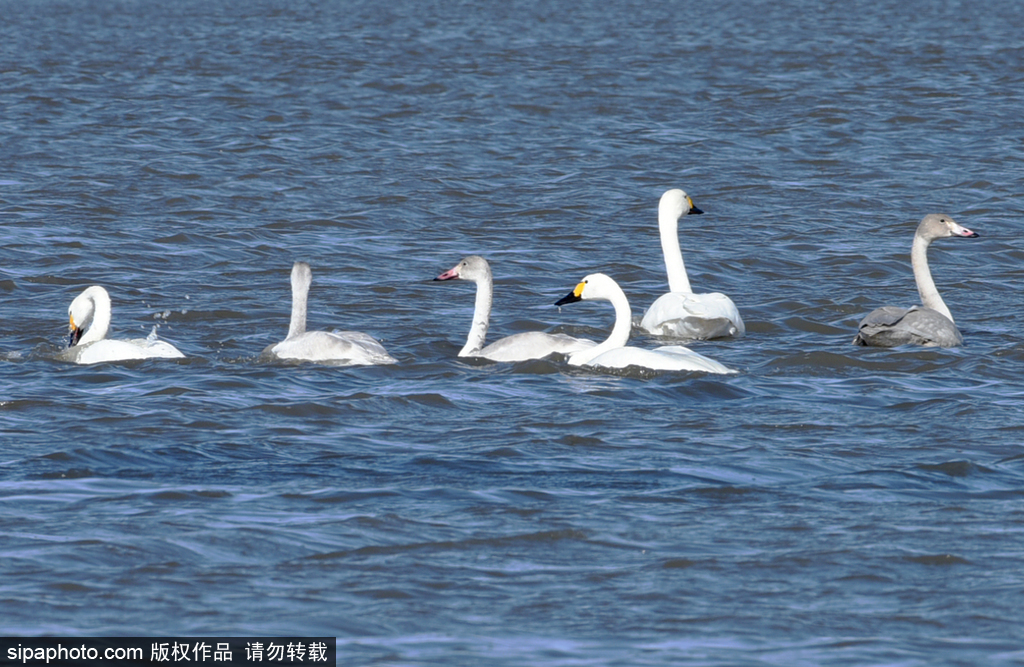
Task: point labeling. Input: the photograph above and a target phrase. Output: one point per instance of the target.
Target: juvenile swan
(517, 347)
(929, 324)
(681, 313)
(613, 353)
(352, 347)
(89, 316)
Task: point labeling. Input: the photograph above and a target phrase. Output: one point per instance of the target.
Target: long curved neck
(300, 294)
(100, 324)
(923, 277)
(481, 317)
(668, 226)
(619, 335)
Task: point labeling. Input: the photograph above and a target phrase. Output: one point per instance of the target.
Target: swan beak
(966, 233)
(448, 275)
(76, 333)
(573, 296)
(693, 209)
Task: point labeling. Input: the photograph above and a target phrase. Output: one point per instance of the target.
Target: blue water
(826, 505)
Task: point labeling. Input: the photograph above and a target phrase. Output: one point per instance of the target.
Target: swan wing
(686, 359)
(154, 348)
(667, 358)
(532, 345)
(693, 316)
(890, 326)
(352, 347)
(122, 350)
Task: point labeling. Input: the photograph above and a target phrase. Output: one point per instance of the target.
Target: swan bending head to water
(517, 347)
(353, 347)
(613, 353)
(931, 323)
(89, 323)
(681, 313)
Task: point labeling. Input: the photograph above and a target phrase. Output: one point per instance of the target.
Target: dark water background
(827, 505)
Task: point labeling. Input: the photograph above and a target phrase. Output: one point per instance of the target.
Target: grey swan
(517, 347)
(351, 347)
(931, 323)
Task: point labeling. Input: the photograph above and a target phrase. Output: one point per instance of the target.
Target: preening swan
(89, 316)
(517, 347)
(681, 313)
(352, 347)
(929, 324)
(613, 353)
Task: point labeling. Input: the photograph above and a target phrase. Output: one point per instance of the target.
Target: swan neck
(481, 317)
(923, 277)
(619, 335)
(100, 323)
(300, 294)
(668, 226)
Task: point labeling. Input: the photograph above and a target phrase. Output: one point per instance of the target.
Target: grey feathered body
(890, 326)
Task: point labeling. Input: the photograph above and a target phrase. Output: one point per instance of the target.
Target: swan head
(675, 204)
(301, 274)
(82, 311)
(474, 268)
(937, 226)
(595, 286)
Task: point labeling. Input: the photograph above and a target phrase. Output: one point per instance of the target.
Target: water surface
(826, 505)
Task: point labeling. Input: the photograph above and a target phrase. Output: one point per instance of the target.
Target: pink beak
(449, 275)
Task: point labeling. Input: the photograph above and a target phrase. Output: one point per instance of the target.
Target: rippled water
(827, 505)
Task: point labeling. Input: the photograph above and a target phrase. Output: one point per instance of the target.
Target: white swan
(930, 324)
(681, 313)
(89, 316)
(517, 347)
(613, 353)
(352, 347)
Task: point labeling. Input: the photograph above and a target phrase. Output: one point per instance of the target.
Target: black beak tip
(568, 298)
(695, 211)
